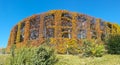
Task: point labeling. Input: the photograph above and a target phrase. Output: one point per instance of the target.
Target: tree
(113, 44)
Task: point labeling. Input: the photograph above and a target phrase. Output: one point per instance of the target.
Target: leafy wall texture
(57, 25)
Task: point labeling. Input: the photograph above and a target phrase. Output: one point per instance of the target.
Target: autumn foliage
(64, 28)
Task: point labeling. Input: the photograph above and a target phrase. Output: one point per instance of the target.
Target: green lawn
(76, 60)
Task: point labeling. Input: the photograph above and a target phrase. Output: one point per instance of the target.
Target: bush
(3, 51)
(92, 49)
(72, 46)
(113, 44)
(23, 56)
(44, 56)
(73, 51)
(61, 49)
(33, 56)
(69, 46)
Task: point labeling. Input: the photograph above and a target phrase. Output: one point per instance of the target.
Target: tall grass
(76, 60)
(4, 59)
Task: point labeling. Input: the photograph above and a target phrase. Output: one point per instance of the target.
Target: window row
(66, 21)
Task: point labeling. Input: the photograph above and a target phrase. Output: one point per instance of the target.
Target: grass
(77, 60)
(4, 59)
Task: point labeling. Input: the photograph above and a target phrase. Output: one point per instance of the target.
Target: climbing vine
(59, 25)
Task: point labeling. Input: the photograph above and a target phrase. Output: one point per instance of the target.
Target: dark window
(34, 28)
(66, 19)
(66, 33)
(94, 35)
(49, 21)
(81, 18)
(81, 34)
(92, 24)
(16, 29)
(67, 15)
(102, 26)
(22, 30)
(50, 33)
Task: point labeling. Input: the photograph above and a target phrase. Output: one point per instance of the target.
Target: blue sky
(13, 11)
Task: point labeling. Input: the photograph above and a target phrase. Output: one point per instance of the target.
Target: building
(59, 25)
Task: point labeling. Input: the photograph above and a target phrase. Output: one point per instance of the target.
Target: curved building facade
(59, 24)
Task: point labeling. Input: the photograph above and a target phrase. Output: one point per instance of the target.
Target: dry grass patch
(76, 60)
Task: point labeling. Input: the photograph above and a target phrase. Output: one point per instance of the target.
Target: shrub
(73, 51)
(65, 46)
(113, 44)
(3, 51)
(72, 46)
(22, 56)
(61, 49)
(92, 49)
(44, 56)
(33, 56)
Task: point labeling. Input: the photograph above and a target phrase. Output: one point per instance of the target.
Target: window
(66, 23)
(94, 35)
(81, 18)
(49, 20)
(66, 33)
(92, 24)
(81, 22)
(67, 15)
(66, 19)
(22, 30)
(81, 34)
(15, 35)
(50, 32)
(103, 36)
(102, 26)
(34, 28)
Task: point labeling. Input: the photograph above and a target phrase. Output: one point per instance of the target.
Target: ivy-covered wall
(58, 25)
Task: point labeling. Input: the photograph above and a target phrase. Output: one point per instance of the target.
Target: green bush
(23, 56)
(44, 56)
(113, 44)
(33, 56)
(73, 51)
(3, 51)
(92, 49)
